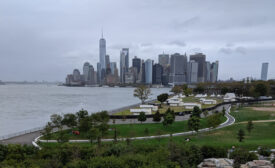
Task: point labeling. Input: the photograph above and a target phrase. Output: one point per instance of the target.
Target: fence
(21, 133)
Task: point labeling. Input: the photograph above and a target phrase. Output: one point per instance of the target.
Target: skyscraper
(124, 63)
(164, 59)
(214, 71)
(207, 71)
(192, 71)
(136, 62)
(157, 74)
(113, 67)
(107, 59)
(178, 69)
(98, 76)
(86, 67)
(91, 78)
(200, 59)
(102, 52)
(264, 71)
(148, 71)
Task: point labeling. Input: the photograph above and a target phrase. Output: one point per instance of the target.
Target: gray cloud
(45, 40)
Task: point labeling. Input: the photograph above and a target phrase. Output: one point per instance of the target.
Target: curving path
(230, 120)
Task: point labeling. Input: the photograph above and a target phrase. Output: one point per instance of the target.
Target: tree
(84, 124)
(146, 131)
(69, 120)
(196, 112)
(194, 123)
(82, 114)
(223, 111)
(205, 113)
(224, 90)
(162, 97)
(47, 131)
(57, 121)
(142, 92)
(249, 126)
(199, 89)
(214, 120)
(241, 135)
(99, 126)
(168, 119)
(142, 117)
(157, 117)
(188, 91)
(176, 89)
(169, 111)
(261, 89)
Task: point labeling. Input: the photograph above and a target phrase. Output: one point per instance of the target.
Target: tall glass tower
(102, 52)
(264, 71)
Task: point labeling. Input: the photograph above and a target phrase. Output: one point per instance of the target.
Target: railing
(21, 133)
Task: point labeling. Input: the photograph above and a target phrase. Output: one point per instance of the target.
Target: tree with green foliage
(46, 132)
(224, 90)
(94, 135)
(249, 126)
(223, 111)
(115, 135)
(157, 117)
(142, 92)
(169, 111)
(205, 113)
(196, 112)
(168, 119)
(62, 137)
(241, 135)
(84, 124)
(162, 97)
(261, 89)
(176, 89)
(142, 117)
(69, 120)
(214, 120)
(57, 121)
(242, 156)
(187, 92)
(82, 114)
(199, 89)
(99, 126)
(194, 123)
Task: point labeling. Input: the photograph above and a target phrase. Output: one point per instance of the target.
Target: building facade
(264, 71)
(192, 72)
(157, 74)
(148, 71)
(124, 63)
(164, 60)
(200, 59)
(178, 69)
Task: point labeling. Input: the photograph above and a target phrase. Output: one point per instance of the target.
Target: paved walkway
(28, 138)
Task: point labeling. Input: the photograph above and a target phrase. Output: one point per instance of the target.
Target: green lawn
(247, 113)
(262, 135)
(137, 130)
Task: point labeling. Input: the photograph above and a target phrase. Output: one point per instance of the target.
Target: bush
(213, 152)
(264, 152)
(242, 156)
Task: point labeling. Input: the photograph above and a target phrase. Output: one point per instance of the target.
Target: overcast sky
(47, 39)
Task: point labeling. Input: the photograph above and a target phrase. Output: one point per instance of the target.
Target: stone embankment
(228, 163)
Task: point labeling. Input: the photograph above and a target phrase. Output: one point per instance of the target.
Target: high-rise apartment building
(113, 67)
(192, 72)
(157, 74)
(86, 68)
(207, 71)
(164, 60)
(200, 59)
(136, 62)
(178, 69)
(148, 71)
(264, 71)
(214, 72)
(124, 63)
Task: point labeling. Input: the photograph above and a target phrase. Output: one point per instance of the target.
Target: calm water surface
(28, 106)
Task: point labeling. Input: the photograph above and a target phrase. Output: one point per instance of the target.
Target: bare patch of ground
(269, 109)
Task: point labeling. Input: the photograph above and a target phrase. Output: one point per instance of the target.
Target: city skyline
(47, 48)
